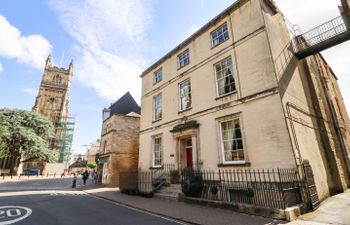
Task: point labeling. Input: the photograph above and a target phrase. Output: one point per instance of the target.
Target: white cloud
(1, 69)
(31, 50)
(109, 39)
(29, 91)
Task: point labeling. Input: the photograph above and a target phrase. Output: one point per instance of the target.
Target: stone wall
(313, 107)
(120, 144)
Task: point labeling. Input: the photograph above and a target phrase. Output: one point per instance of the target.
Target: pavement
(188, 213)
(335, 210)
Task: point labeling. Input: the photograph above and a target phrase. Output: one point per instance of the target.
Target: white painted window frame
(189, 95)
(222, 149)
(160, 150)
(155, 75)
(181, 58)
(157, 106)
(217, 30)
(216, 78)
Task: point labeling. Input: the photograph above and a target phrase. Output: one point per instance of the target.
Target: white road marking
(47, 192)
(13, 214)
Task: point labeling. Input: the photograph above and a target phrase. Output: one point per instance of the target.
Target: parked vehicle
(31, 172)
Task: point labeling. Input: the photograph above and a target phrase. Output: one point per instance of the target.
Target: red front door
(189, 157)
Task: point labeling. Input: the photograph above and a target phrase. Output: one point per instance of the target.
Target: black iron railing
(272, 188)
(145, 182)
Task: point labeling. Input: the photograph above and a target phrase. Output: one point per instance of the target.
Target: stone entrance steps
(170, 192)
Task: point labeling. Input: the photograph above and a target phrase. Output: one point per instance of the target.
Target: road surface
(54, 202)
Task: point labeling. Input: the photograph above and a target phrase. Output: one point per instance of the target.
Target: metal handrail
(322, 32)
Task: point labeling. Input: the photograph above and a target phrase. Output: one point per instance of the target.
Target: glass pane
(232, 140)
(228, 156)
(240, 144)
(238, 133)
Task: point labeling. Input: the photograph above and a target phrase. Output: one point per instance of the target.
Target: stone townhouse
(225, 99)
(92, 150)
(119, 143)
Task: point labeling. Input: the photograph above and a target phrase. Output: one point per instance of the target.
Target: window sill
(157, 82)
(225, 95)
(155, 121)
(184, 110)
(179, 68)
(230, 164)
(214, 46)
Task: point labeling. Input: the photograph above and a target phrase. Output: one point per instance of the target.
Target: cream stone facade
(224, 98)
(92, 151)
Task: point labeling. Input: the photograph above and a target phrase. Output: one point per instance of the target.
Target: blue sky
(111, 42)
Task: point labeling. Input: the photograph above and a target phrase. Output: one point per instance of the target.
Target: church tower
(52, 101)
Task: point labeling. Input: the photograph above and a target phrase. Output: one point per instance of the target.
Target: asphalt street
(54, 202)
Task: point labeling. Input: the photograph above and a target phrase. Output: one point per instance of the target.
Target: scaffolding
(64, 129)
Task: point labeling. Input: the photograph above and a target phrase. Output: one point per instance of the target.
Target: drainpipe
(334, 118)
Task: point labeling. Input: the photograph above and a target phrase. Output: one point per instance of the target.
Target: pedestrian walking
(85, 176)
(93, 174)
(74, 184)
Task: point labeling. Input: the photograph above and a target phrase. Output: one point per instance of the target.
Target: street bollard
(74, 182)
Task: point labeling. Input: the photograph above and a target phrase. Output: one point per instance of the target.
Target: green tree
(25, 135)
(2, 142)
(92, 165)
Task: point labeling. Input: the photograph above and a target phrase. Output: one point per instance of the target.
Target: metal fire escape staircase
(329, 34)
(302, 45)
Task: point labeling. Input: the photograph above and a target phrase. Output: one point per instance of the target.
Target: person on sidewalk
(74, 184)
(85, 176)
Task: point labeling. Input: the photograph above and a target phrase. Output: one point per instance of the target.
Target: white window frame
(159, 149)
(218, 33)
(222, 150)
(182, 58)
(158, 76)
(185, 95)
(156, 107)
(224, 77)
